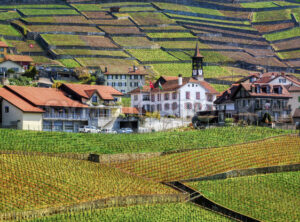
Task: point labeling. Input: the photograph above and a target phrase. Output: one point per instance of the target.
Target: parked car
(125, 130)
(89, 129)
(108, 131)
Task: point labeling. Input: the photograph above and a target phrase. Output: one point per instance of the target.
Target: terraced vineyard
(206, 162)
(56, 142)
(225, 29)
(148, 213)
(53, 182)
(274, 197)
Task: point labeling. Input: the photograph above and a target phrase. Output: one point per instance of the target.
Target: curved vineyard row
(205, 162)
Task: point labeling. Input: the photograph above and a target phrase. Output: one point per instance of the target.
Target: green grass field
(271, 197)
(96, 62)
(9, 30)
(295, 32)
(90, 52)
(171, 35)
(148, 213)
(69, 63)
(134, 41)
(9, 15)
(151, 55)
(289, 55)
(49, 12)
(268, 16)
(58, 142)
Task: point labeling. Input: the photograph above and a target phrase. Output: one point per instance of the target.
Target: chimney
(272, 76)
(134, 68)
(179, 79)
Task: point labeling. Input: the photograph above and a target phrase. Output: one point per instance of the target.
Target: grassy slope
(34, 182)
(146, 213)
(205, 162)
(58, 142)
(272, 197)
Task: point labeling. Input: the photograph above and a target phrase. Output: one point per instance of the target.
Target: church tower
(198, 65)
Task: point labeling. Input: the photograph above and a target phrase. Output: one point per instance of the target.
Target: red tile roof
(129, 70)
(3, 44)
(293, 89)
(44, 96)
(19, 102)
(86, 91)
(171, 84)
(130, 110)
(248, 86)
(18, 58)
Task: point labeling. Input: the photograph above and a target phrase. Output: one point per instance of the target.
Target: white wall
(9, 64)
(32, 121)
(26, 121)
(276, 81)
(294, 102)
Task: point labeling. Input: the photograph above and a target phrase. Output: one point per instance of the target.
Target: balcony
(63, 116)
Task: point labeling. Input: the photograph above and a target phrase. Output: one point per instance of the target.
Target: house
(290, 82)
(3, 50)
(294, 102)
(296, 117)
(10, 65)
(65, 109)
(225, 104)
(177, 96)
(22, 60)
(253, 100)
(124, 78)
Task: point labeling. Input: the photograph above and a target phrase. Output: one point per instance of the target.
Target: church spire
(197, 61)
(197, 52)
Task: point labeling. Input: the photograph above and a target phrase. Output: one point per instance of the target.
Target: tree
(31, 72)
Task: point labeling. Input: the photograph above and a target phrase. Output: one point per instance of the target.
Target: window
(141, 77)
(174, 106)
(174, 95)
(109, 77)
(131, 84)
(123, 76)
(116, 76)
(282, 80)
(113, 84)
(6, 109)
(167, 96)
(120, 84)
(187, 95)
(158, 106)
(152, 108)
(153, 98)
(1, 49)
(136, 77)
(158, 97)
(209, 98)
(109, 84)
(95, 98)
(124, 84)
(122, 91)
(188, 106)
(136, 97)
(198, 106)
(136, 84)
(198, 95)
(47, 125)
(167, 106)
(209, 107)
(146, 98)
(299, 99)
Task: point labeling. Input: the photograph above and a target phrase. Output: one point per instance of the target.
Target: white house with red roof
(177, 96)
(65, 109)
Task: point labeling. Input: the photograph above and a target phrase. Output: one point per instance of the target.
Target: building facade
(177, 96)
(65, 109)
(253, 101)
(125, 79)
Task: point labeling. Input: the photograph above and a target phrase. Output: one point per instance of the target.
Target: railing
(65, 116)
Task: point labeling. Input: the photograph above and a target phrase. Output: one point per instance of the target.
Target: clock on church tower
(197, 62)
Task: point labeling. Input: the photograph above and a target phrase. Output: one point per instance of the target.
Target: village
(262, 98)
